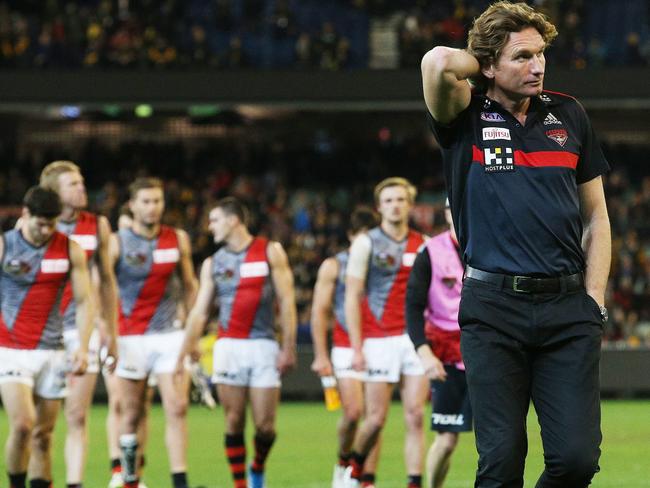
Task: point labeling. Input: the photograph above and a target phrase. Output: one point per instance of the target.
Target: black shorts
(450, 407)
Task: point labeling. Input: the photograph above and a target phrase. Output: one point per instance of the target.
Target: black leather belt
(528, 284)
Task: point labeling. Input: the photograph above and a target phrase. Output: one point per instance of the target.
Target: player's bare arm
(597, 239)
(198, 316)
(444, 80)
(81, 291)
(107, 289)
(190, 284)
(283, 284)
(355, 289)
(321, 315)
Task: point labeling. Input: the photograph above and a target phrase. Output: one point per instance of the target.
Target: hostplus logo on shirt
(551, 119)
(498, 159)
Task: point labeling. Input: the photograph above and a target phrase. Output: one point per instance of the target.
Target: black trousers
(520, 347)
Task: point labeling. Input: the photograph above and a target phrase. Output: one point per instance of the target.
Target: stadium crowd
(303, 34)
(308, 210)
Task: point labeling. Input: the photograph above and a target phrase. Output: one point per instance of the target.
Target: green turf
(305, 451)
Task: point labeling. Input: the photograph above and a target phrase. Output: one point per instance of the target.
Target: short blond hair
(411, 191)
(50, 175)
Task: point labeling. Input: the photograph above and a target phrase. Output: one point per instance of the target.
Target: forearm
(353, 320)
(597, 245)
(319, 333)
(193, 329)
(84, 319)
(108, 298)
(444, 61)
(288, 321)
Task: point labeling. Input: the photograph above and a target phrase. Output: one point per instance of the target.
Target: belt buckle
(515, 284)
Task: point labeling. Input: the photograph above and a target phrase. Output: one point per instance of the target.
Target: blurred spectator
(307, 210)
(281, 33)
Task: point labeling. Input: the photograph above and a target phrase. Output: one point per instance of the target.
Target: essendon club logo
(136, 259)
(384, 260)
(223, 273)
(17, 267)
(558, 135)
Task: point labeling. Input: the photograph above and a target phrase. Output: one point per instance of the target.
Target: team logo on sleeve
(492, 117)
(558, 135)
(498, 159)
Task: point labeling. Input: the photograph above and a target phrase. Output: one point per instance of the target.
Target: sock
(40, 483)
(179, 480)
(116, 467)
(17, 480)
(236, 454)
(414, 481)
(263, 443)
(344, 459)
(368, 479)
(129, 447)
(357, 463)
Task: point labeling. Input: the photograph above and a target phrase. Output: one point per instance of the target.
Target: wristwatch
(603, 313)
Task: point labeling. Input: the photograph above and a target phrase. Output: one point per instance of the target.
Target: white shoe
(116, 481)
(141, 484)
(348, 480)
(337, 476)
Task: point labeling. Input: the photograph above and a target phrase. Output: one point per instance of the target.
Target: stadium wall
(383, 89)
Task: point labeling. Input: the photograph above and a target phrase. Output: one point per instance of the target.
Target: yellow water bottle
(332, 398)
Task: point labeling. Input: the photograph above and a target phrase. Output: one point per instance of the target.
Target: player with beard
(146, 256)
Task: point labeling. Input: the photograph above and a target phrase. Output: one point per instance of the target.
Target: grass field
(305, 451)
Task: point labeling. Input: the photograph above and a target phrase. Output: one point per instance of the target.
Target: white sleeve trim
(359, 257)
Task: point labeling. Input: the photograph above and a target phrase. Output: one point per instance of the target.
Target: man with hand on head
(524, 176)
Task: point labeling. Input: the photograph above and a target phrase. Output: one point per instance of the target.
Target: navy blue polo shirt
(513, 189)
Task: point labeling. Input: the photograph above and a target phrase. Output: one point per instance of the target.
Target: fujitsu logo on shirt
(494, 133)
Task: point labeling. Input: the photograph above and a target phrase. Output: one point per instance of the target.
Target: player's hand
(286, 360)
(195, 353)
(433, 368)
(322, 366)
(110, 362)
(79, 362)
(358, 360)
